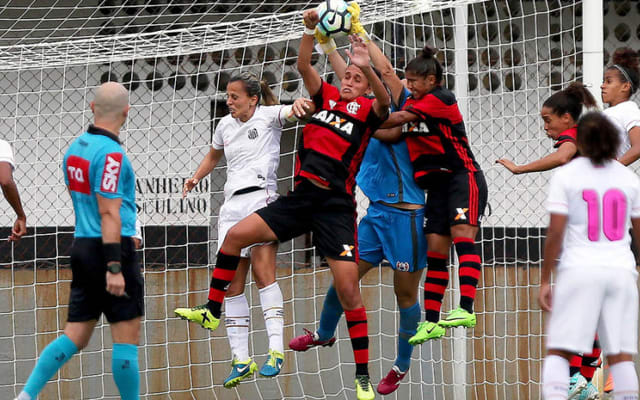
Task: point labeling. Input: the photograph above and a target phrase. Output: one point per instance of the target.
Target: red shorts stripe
(435, 254)
(430, 287)
(438, 274)
(473, 199)
(224, 274)
(216, 295)
(361, 356)
(474, 258)
(358, 330)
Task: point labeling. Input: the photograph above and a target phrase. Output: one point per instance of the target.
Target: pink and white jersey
(599, 203)
(252, 148)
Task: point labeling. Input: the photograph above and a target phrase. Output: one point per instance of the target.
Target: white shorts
(239, 207)
(590, 299)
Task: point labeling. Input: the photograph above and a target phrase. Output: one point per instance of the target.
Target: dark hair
(425, 64)
(625, 61)
(598, 138)
(570, 100)
(255, 87)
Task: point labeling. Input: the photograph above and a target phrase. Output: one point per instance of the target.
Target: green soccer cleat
(427, 330)
(273, 365)
(459, 317)
(577, 384)
(364, 390)
(240, 370)
(200, 315)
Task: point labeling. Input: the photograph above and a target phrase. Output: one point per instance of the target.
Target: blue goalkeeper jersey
(386, 173)
(96, 164)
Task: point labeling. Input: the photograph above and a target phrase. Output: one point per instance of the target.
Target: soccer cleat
(391, 382)
(608, 387)
(577, 384)
(200, 315)
(590, 392)
(273, 365)
(427, 330)
(364, 390)
(309, 340)
(240, 370)
(459, 317)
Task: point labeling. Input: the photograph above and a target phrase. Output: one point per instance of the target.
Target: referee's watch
(114, 267)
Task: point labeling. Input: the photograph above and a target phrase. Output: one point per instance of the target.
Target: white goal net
(502, 58)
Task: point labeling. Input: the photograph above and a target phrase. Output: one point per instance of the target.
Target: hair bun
(428, 52)
(626, 57)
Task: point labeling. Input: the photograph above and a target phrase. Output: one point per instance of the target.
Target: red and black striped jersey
(437, 140)
(569, 135)
(334, 140)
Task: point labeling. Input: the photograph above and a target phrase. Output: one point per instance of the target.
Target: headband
(626, 75)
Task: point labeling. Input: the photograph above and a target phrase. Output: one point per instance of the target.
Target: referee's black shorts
(329, 214)
(89, 297)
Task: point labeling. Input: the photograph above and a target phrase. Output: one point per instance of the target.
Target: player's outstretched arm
(399, 118)
(302, 108)
(207, 165)
(310, 76)
(563, 155)
(359, 56)
(10, 191)
(552, 248)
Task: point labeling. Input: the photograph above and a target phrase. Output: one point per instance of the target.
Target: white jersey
(599, 203)
(6, 154)
(252, 148)
(625, 116)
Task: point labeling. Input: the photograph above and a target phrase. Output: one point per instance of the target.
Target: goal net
(501, 58)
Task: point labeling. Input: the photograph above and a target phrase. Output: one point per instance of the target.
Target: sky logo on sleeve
(111, 173)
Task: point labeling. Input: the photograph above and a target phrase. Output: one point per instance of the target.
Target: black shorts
(89, 297)
(330, 216)
(458, 199)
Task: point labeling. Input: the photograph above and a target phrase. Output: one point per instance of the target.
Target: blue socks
(331, 312)
(126, 374)
(409, 319)
(53, 357)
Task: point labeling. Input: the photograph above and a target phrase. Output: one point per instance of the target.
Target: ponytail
(268, 97)
(625, 61)
(425, 64)
(571, 100)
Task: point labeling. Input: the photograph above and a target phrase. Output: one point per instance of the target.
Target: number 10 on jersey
(614, 212)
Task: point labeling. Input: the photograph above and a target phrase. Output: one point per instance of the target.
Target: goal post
(502, 58)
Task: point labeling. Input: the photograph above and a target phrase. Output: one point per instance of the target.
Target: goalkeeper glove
(326, 45)
(356, 26)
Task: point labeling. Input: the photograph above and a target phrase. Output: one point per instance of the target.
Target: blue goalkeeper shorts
(395, 235)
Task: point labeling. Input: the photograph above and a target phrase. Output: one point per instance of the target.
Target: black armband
(112, 252)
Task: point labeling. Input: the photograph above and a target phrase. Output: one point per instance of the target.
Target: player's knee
(349, 295)
(464, 230)
(405, 298)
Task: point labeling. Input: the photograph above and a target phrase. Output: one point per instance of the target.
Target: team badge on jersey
(111, 173)
(353, 107)
(402, 266)
(253, 133)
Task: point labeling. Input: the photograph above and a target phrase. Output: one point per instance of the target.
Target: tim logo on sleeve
(111, 173)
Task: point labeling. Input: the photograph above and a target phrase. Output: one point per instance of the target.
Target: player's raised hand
(189, 184)
(310, 18)
(359, 54)
(544, 296)
(510, 165)
(302, 107)
(19, 229)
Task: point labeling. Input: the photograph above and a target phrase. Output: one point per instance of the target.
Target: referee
(106, 275)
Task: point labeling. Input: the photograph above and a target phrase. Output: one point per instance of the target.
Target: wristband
(112, 252)
(114, 267)
(309, 31)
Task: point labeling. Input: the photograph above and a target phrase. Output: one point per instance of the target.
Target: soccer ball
(335, 20)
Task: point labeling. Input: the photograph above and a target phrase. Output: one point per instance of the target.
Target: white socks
(555, 377)
(272, 309)
(625, 381)
(236, 310)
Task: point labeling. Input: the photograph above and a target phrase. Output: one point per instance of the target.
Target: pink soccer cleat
(309, 340)
(391, 382)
